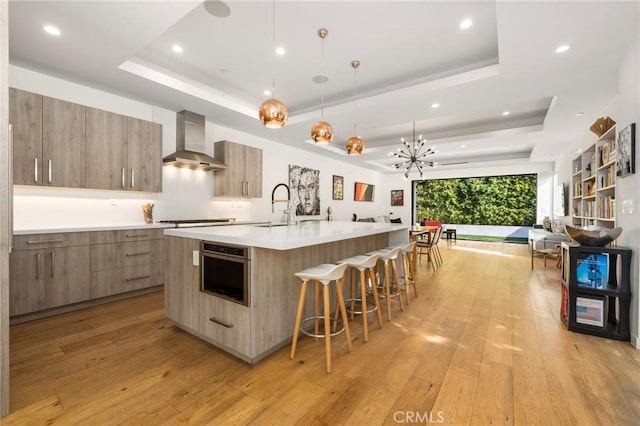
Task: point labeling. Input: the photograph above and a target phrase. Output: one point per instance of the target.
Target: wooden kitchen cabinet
(106, 154)
(49, 140)
(48, 270)
(126, 260)
(144, 155)
(123, 153)
(243, 176)
(25, 114)
(223, 323)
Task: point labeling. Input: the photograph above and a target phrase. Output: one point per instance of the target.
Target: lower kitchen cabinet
(58, 269)
(122, 280)
(219, 321)
(127, 260)
(47, 271)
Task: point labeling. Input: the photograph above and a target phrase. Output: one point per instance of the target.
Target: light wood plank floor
(482, 344)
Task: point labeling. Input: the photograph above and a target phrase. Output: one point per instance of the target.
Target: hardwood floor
(482, 344)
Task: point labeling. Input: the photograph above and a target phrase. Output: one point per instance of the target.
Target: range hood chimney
(190, 128)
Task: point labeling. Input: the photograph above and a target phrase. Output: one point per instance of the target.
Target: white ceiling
(412, 54)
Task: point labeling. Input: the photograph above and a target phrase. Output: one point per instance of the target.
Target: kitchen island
(265, 322)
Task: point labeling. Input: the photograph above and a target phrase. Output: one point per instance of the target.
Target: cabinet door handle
(122, 173)
(10, 198)
(52, 264)
(137, 254)
(38, 266)
(43, 241)
(136, 235)
(133, 178)
(49, 170)
(137, 278)
(247, 188)
(222, 323)
(35, 169)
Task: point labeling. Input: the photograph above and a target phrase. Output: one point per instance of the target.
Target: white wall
(627, 187)
(186, 193)
(625, 109)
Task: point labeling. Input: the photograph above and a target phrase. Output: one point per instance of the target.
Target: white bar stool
(408, 268)
(365, 264)
(388, 258)
(323, 274)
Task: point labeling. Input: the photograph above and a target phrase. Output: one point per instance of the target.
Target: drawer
(105, 237)
(39, 241)
(116, 281)
(122, 255)
(226, 323)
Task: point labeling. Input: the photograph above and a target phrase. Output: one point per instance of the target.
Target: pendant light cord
(322, 82)
(355, 85)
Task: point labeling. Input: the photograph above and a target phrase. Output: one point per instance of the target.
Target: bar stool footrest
(371, 307)
(321, 317)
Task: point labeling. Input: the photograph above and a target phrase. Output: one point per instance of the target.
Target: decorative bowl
(593, 236)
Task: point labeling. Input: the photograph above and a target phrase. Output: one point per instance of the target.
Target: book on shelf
(590, 311)
(592, 270)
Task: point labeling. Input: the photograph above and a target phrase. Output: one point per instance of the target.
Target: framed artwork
(304, 184)
(363, 192)
(397, 197)
(338, 187)
(626, 151)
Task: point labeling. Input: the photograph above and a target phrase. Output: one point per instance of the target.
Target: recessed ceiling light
(280, 51)
(177, 48)
(267, 92)
(463, 146)
(562, 48)
(52, 30)
(505, 112)
(579, 114)
(466, 23)
(435, 105)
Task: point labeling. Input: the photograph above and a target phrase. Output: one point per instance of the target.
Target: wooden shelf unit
(593, 186)
(602, 310)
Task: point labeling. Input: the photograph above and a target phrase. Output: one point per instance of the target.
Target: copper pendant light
(355, 144)
(321, 131)
(273, 113)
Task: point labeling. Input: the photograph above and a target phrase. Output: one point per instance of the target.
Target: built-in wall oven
(225, 271)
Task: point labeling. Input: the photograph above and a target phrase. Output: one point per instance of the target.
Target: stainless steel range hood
(190, 129)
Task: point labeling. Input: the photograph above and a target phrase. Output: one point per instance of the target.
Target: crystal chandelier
(414, 153)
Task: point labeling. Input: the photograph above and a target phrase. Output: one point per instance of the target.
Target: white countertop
(286, 237)
(86, 228)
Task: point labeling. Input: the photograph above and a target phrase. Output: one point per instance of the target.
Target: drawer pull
(38, 266)
(43, 241)
(137, 278)
(136, 235)
(222, 323)
(137, 254)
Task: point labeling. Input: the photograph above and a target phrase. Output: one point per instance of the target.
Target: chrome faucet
(290, 211)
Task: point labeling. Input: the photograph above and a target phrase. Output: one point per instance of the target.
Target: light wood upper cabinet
(59, 143)
(144, 155)
(243, 176)
(25, 114)
(49, 140)
(63, 143)
(106, 155)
